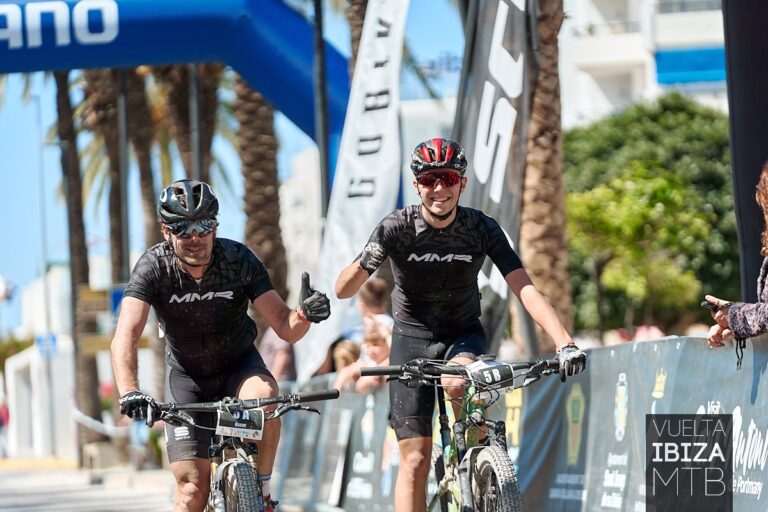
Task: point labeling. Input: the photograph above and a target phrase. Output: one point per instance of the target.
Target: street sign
(46, 344)
(115, 298)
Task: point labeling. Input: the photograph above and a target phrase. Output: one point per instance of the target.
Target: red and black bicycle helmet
(438, 153)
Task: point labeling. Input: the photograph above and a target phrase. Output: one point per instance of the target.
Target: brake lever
(291, 407)
(177, 418)
(530, 379)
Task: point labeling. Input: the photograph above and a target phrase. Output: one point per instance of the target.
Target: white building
(616, 52)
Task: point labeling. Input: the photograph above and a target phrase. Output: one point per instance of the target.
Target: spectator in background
(376, 343)
(4, 417)
(373, 302)
(742, 320)
(342, 353)
(278, 356)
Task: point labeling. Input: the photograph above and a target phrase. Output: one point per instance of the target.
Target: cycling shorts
(184, 442)
(411, 409)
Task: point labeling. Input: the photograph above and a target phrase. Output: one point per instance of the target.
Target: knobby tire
(494, 482)
(240, 492)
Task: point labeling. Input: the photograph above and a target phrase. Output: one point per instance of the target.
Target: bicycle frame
(228, 440)
(457, 441)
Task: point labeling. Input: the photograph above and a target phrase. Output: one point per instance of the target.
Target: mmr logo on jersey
(193, 297)
(430, 256)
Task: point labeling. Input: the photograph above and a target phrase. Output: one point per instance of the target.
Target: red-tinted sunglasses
(447, 178)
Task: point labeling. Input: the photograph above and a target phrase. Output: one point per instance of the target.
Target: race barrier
(579, 445)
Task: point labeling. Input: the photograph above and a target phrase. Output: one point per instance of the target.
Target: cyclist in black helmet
(200, 287)
(436, 250)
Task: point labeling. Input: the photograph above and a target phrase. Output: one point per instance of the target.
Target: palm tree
(175, 81)
(100, 117)
(257, 146)
(86, 375)
(355, 13)
(543, 240)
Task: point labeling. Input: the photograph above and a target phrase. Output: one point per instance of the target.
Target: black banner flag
(491, 121)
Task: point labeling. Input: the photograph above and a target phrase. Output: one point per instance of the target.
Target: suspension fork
(445, 429)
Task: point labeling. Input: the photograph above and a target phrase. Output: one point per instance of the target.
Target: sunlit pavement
(56, 486)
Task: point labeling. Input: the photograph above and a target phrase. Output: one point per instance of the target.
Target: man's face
(192, 240)
(439, 189)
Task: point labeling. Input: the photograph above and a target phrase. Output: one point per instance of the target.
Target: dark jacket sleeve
(751, 319)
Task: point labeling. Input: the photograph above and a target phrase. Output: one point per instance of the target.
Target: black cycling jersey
(435, 270)
(205, 323)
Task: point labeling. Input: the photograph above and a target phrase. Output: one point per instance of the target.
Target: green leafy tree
(650, 214)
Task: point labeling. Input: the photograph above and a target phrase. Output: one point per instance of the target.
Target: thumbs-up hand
(314, 305)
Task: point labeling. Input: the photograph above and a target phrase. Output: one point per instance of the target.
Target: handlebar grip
(372, 371)
(313, 396)
(553, 364)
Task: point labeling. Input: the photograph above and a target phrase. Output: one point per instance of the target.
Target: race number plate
(491, 373)
(245, 424)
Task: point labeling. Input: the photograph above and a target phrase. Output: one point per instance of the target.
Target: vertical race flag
(491, 123)
(367, 176)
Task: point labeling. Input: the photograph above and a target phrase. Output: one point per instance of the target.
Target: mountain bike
(472, 466)
(235, 482)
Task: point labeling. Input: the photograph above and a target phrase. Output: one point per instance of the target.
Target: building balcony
(609, 46)
(688, 29)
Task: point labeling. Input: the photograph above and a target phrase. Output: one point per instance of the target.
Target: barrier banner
(582, 445)
(367, 176)
(491, 123)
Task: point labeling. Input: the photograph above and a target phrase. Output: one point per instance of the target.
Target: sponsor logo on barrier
(660, 386)
(514, 421)
(621, 400)
(689, 461)
(91, 21)
(750, 454)
(575, 405)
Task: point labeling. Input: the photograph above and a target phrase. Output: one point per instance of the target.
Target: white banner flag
(367, 176)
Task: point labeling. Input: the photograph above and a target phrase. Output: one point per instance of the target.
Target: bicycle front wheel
(494, 482)
(240, 493)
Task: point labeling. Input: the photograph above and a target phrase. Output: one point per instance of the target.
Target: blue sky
(26, 164)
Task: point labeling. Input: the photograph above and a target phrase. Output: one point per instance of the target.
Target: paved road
(60, 490)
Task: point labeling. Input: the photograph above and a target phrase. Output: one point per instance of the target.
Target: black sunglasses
(185, 228)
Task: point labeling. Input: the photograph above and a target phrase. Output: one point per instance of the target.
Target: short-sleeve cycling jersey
(435, 270)
(205, 323)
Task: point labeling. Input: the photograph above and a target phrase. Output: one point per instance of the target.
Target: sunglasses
(185, 228)
(447, 178)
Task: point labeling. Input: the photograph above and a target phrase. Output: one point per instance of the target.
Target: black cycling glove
(372, 257)
(134, 404)
(314, 305)
(572, 361)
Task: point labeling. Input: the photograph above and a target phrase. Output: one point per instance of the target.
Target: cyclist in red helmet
(436, 250)
(200, 287)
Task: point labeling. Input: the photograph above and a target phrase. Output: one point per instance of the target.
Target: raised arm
(350, 280)
(538, 307)
(356, 273)
(293, 324)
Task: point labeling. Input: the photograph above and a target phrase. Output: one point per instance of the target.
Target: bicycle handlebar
(292, 398)
(434, 368)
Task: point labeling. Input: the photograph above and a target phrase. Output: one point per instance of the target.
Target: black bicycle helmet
(187, 200)
(438, 153)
